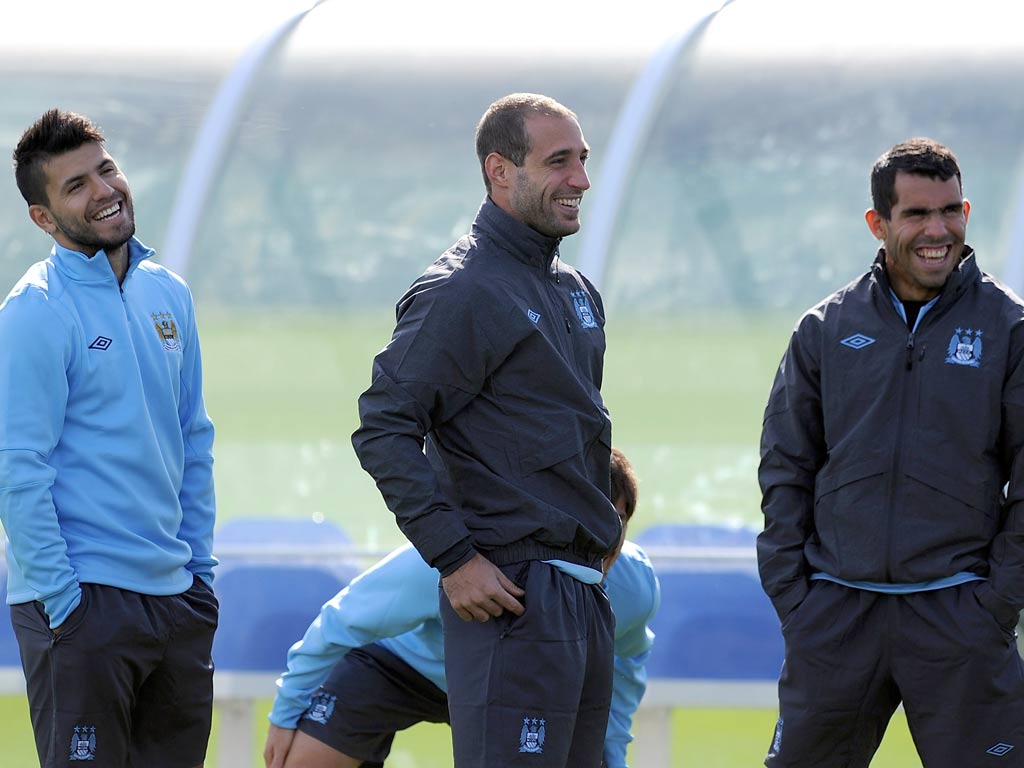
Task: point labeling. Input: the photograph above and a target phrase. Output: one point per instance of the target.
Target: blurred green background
(282, 389)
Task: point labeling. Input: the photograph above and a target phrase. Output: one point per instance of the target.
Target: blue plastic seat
(715, 625)
(266, 608)
(288, 541)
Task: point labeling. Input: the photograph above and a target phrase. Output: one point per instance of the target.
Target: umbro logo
(857, 341)
(999, 749)
(101, 343)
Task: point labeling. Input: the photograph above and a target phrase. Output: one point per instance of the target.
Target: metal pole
(628, 137)
(212, 144)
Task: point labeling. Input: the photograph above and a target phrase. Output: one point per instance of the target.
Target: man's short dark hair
(921, 157)
(502, 129)
(55, 133)
(624, 485)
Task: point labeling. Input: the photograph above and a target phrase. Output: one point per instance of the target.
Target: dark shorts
(853, 656)
(532, 690)
(369, 696)
(126, 681)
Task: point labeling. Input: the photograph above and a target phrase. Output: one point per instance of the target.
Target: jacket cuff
(454, 557)
(58, 607)
(202, 568)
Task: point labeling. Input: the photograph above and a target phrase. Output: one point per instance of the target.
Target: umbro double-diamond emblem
(857, 341)
(101, 343)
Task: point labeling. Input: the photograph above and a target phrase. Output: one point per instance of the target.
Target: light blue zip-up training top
(106, 463)
(395, 604)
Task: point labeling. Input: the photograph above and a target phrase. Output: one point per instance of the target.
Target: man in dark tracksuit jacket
(891, 472)
(495, 366)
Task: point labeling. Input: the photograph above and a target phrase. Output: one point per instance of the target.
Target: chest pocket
(546, 452)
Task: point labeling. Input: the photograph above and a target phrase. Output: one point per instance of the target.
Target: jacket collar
(962, 275)
(96, 269)
(520, 240)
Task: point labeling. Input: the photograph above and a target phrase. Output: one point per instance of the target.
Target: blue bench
(264, 609)
(714, 625)
(715, 622)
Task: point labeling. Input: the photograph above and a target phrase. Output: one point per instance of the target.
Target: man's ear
(499, 170)
(42, 218)
(876, 223)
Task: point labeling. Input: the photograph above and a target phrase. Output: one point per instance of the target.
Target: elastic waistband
(521, 551)
(902, 588)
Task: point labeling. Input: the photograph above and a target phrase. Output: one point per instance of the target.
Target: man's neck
(118, 259)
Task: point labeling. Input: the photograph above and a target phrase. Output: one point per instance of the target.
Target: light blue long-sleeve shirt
(394, 603)
(106, 463)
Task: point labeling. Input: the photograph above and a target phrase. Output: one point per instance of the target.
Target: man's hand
(479, 590)
(279, 741)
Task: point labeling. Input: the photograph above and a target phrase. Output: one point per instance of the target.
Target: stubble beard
(84, 235)
(529, 204)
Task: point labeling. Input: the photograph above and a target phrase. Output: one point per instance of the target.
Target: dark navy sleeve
(792, 452)
(443, 349)
(1003, 594)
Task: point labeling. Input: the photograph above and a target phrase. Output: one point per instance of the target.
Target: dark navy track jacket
(495, 367)
(885, 452)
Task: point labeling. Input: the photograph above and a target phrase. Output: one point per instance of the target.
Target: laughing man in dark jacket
(893, 482)
(495, 368)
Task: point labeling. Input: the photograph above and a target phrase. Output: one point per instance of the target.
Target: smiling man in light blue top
(106, 472)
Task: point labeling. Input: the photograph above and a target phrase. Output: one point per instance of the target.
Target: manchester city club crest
(584, 313)
(320, 708)
(531, 738)
(964, 348)
(83, 743)
(167, 330)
